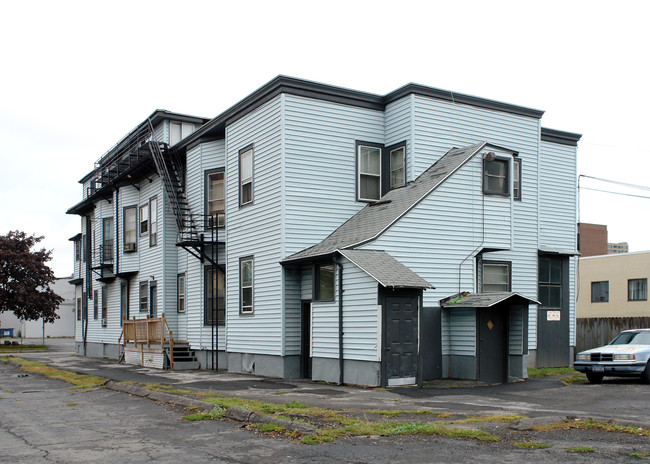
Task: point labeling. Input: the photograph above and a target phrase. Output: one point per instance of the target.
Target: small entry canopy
(484, 300)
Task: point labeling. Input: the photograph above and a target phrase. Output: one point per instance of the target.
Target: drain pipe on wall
(340, 267)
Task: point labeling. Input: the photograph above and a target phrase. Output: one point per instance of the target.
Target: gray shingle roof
(385, 269)
(375, 218)
(482, 300)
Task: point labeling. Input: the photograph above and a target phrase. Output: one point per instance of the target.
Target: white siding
(320, 159)
(399, 128)
(255, 230)
(361, 323)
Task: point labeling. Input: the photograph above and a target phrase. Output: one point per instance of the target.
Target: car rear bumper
(609, 368)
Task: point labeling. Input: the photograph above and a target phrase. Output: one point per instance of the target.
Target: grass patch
(579, 449)
(641, 455)
(594, 425)
(576, 378)
(268, 428)
(22, 348)
(72, 404)
(216, 413)
(399, 412)
(77, 380)
(530, 445)
(491, 418)
(546, 371)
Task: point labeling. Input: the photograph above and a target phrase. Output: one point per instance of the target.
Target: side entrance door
(493, 334)
(553, 313)
(305, 339)
(401, 353)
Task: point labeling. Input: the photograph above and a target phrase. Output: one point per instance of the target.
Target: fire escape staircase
(195, 234)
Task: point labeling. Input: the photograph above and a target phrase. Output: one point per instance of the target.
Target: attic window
(495, 176)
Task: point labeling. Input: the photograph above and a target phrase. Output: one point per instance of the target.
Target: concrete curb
(529, 423)
(233, 413)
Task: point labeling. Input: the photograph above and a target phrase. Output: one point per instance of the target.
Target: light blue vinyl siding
(293, 306)
(441, 125)
(462, 332)
(361, 318)
(399, 128)
(515, 332)
(557, 201)
(201, 158)
(320, 166)
(255, 230)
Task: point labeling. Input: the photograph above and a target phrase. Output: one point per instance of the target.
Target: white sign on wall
(552, 315)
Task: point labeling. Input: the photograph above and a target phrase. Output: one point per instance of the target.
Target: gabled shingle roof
(385, 269)
(375, 218)
(482, 300)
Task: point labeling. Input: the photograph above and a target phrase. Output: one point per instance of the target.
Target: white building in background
(62, 327)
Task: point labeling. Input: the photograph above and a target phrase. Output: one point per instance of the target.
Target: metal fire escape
(197, 234)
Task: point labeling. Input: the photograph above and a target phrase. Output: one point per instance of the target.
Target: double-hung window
(495, 177)
(516, 179)
(153, 221)
(216, 198)
(178, 131)
(144, 297)
(215, 298)
(78, 309)
(130, 230)
(104, 306)
(496, 276)
(246, 176)
(246, 285)
(180, 297)
(600, 292)
(107, 240)
(144, 219)
(124, 301)
(96, 304)
(550, 283)
(369, 171)
(637, 289)
(324, 282)
(398, 167)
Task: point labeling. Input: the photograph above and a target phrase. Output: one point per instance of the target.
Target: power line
(615, 193)
(625, 184)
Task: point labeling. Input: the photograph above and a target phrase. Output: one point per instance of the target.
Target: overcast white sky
(77, 76)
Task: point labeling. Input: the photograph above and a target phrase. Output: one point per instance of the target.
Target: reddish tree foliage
(25, 278)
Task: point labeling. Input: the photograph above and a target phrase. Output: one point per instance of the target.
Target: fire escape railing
(173, 188)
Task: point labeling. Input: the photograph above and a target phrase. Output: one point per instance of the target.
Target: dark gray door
(401, 340)
(553, 314)
(493, 333)
(430, 343)
(305, 346)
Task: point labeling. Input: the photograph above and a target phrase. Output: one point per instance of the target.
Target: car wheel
(645, 376)
(595, 378)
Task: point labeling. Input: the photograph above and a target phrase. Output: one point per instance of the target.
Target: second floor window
(215, 198)
(496, 276)
(369, 168)
(397, 168)
(516, 178)
(107, 240)
(130, 231)
(144, 219)
(153, 221)
(495, 177)
(246, 176)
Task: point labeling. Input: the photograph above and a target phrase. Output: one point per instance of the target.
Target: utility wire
(625, 184)
(615, 193)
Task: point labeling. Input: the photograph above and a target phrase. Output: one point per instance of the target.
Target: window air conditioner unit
(129, 247)
(104, 322)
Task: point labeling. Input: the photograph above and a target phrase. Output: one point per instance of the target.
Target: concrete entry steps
(184, 357)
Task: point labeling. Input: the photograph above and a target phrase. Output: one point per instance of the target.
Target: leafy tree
(25, 278)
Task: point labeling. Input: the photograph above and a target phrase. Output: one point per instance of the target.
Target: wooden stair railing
(145, 332)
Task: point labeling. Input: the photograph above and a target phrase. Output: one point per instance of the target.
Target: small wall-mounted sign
(553, 315)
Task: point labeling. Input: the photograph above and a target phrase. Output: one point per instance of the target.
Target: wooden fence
(597, 331)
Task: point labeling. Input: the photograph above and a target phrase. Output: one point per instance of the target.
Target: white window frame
(221, 214)
(143, 225)
(181, 291)
(501, 264)
(248, 309)
(516, 179)
(153, 221)
(361, 174)
(143, 296)
(245, 181)
(130, 228)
